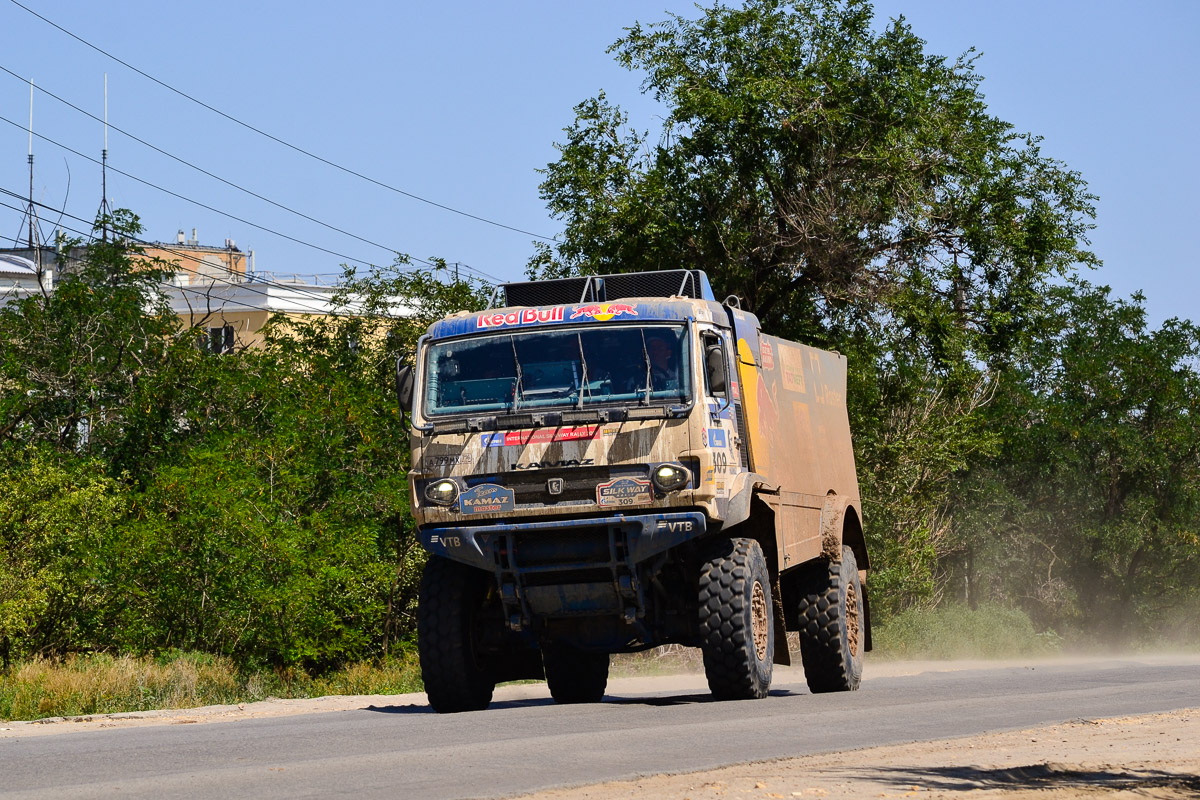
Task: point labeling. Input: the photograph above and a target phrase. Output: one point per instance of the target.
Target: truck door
(745, 390)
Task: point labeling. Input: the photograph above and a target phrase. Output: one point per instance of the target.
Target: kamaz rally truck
(607, 464)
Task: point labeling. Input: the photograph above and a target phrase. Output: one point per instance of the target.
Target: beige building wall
(192, 262)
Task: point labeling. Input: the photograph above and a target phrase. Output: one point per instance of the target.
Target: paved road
(519, 746)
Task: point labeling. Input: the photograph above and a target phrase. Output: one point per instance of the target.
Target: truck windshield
(562, 368)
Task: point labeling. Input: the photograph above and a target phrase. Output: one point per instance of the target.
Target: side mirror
(714, 367)
(404, 386)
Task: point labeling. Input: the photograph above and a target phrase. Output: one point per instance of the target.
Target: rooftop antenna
(105, 212)
(31, 207)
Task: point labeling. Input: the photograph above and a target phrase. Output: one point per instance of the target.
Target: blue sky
(461, 103)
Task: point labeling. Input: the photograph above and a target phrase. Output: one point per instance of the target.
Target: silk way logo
(604, 311)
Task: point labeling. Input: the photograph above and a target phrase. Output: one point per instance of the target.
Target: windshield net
(564, 368)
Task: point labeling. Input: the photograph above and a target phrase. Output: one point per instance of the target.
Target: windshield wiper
(649, 378)
(519, 386)
(583, 385)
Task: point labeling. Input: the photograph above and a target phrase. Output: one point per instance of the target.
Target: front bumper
(568, 568)
(485, 546)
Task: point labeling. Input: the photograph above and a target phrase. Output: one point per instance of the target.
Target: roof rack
(600, 288)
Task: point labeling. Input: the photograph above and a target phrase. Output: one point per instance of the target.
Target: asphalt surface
(520, 746)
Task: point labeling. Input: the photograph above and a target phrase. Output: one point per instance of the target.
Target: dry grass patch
(103, 684)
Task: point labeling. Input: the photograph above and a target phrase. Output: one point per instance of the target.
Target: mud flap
(782, 654)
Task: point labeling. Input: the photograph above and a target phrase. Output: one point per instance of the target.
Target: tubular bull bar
(566, 568)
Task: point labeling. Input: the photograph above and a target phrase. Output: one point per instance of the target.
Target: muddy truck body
(608, 464)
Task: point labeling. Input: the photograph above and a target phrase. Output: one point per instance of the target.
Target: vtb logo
(604, 311)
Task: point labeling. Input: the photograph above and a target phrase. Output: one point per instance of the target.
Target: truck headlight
(669, 477)
(442, 492)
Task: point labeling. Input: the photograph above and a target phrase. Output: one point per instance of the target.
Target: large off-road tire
(448, 607)
(737, 633)
(831, 624)
(573, 675)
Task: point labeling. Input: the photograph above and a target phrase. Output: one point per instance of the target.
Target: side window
(716, 364)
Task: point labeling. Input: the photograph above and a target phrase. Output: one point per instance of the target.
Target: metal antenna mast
(31, 209)
(105, 211)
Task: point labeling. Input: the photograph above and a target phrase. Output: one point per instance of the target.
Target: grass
(957, 631)
(670, 659)
(103, 684)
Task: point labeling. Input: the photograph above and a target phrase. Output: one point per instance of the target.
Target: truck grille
(579, 484)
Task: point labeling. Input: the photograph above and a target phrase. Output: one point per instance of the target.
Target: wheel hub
(760, 620)
(852, 626)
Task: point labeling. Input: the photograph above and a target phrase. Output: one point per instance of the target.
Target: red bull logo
(604, 311)
(528, 316)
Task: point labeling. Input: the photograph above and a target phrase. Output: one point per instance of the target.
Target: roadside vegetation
(1028, 445)
(80, 685)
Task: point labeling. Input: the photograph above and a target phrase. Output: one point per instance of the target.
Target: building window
(219, 340)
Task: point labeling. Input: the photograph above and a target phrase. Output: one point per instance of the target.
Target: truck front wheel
(448, 609)
(737, 633)
(831, 618)
(573, 675)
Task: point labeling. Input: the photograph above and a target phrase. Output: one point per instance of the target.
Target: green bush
(956, 631)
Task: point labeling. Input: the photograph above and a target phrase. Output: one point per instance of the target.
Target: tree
(856, 194)
(808, 163)
(72, 361)
(157, 496)
(1095, 493)
(56, 519)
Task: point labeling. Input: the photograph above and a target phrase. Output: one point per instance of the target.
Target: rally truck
(606, 464)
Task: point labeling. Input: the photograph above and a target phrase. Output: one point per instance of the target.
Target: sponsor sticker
(793, 368)
(717, 439)
(768, 355)
(624, 492)
(538, 436)
(604, 311)
(544, 435)
(528, 316)
(486, 498)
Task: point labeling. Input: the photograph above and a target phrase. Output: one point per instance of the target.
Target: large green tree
(807, 162)
(855, 192)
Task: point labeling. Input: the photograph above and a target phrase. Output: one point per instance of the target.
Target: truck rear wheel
(737, 633)
(451, 596)
(573, 675)
(831, 618)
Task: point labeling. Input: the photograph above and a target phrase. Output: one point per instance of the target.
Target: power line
(166, 248)
(189, 257)
(199, 169)
(272, 231)
(277, 140)
(194, 202)
(248, 285)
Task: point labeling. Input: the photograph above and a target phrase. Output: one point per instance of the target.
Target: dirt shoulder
(1153, 756)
